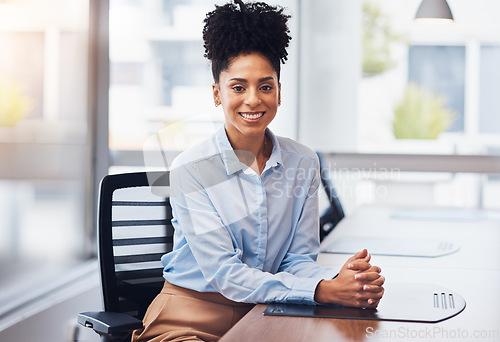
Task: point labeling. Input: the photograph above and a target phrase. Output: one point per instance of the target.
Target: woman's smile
(251, 116)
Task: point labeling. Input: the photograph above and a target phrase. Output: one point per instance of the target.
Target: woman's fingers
(352, 288)
(358, 265)
(375, 269)
(373, 303)
(373, 288)
(366, 276)
(359, 255)
(378, 282)
(358, 284)
(368, 299)
(374, 296)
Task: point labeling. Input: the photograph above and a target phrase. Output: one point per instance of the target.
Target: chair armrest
(109, 323)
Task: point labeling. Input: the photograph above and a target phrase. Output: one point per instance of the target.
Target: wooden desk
(473, 272)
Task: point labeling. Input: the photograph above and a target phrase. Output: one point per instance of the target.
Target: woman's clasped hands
(358, 284)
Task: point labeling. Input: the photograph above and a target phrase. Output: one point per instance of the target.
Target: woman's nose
(252, 98)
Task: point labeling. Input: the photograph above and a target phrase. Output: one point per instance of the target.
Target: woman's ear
(279, 93)
(216, 93)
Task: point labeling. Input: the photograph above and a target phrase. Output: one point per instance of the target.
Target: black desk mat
(426, 303)
(411, 247)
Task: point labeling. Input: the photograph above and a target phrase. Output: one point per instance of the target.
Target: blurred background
(407, 113)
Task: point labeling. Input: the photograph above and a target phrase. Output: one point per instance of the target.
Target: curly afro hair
(254, 27)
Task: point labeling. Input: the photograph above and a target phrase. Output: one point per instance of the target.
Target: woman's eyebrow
(244, 80)
(264, 79)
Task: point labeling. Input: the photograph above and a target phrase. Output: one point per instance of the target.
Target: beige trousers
(179, 314)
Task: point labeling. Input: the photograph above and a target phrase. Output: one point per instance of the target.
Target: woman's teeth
(251, 116)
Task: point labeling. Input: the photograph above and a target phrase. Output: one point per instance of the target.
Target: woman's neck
(252, 151)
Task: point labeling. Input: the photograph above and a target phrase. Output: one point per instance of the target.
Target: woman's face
(249, 92)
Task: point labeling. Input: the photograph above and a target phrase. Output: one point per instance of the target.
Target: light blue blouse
(252, 238)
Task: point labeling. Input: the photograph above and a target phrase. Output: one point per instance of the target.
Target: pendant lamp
(434, 11)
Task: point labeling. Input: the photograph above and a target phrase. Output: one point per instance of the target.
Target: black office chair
(134, 231)
(334, 213)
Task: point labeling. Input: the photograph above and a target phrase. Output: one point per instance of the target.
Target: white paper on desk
(409, 247)
(438, 214)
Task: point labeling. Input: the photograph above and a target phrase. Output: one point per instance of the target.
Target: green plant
(378, 37)
(14, 105)
(421, 114)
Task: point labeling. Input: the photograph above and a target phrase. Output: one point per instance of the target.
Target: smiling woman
(240, 237)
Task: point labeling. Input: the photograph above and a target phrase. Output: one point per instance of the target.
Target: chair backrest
(134, 231)
(334, 213)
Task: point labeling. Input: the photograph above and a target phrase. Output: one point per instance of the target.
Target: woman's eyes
(240, 88)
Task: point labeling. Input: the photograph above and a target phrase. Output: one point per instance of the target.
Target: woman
(245, 207)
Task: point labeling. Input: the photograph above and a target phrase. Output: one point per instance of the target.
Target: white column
(330, 67)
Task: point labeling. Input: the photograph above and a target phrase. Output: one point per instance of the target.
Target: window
(455, 62)
(44, 143)
(351, 64)
(441, 69)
